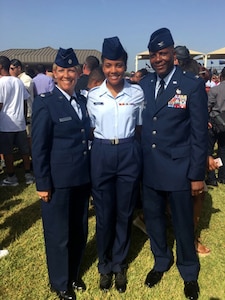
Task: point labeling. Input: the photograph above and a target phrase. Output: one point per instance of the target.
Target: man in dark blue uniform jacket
(61, 166)
(174, 143)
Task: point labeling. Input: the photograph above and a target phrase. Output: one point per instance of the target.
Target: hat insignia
(161, 44)
(70, 61)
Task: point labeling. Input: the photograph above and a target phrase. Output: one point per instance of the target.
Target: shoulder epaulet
(191, 75)
(94, 88)
(136, 86)
(45, 95)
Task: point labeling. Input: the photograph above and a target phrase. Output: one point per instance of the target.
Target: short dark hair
(5, 62)
(16, 62)
(40, 68)
(96, 74)
(143, 72)
(92, 62)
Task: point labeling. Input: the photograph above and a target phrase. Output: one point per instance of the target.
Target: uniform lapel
(65, 105)
(151, 96)
(170, 91)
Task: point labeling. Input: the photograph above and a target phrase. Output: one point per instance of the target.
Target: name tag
(65, 119)
(98, 103)
(126, 104)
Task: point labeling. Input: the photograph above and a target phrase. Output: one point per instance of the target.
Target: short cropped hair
(92, 62)
(40, 68)
(5, 62)
(16, 62)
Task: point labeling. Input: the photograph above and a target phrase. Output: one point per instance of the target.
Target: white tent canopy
(217, 54)
(145, 55)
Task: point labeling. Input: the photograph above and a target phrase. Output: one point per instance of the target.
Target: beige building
(45, 56)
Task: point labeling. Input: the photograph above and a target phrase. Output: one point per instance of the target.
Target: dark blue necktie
(161, 88)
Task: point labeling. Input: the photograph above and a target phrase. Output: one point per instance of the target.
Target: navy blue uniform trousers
(65, 223)
(181, 207)
(115, 171)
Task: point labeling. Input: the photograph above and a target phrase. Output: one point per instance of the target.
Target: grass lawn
(23, 274)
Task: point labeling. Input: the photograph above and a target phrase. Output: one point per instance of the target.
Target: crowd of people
(148, 140)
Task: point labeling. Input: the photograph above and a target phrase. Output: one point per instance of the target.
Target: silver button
(83, 142)
(153, 145)
(82, 130)
(154, 132)
(154, 118)
(85, 152)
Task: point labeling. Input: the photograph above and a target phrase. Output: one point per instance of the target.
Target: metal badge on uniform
(65, 119)
(178, 101)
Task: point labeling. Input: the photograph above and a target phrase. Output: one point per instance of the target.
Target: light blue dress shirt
(115, 118)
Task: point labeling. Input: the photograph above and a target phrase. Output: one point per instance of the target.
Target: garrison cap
(112, 48)
(160, 39)
(182, 52)
(66, 58)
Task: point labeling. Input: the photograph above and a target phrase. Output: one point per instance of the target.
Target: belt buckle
(115, 142)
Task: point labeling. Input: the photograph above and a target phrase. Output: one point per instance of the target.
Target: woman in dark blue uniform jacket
(61, 167)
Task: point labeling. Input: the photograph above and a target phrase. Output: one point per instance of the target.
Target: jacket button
(85, 152)
(154, 118)
(153, 145)
(154, 132)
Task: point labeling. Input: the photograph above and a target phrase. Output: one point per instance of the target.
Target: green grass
(23, 274)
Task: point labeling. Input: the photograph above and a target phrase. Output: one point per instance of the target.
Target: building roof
(45, 55)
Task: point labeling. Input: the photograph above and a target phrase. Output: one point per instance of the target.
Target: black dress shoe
(191, 290)
(66, 295)
(79, 285)
(153, 278)
(105, 281)
(120, 282)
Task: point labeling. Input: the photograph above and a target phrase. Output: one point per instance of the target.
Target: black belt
(114, 141)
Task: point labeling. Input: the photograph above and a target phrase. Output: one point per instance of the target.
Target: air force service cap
(160, 39)
(66, 58)
(112, 48)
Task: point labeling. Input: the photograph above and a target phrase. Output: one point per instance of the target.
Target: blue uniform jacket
(59, 142)
(174, 132)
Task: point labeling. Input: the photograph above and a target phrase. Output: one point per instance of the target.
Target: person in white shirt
(13, 97)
